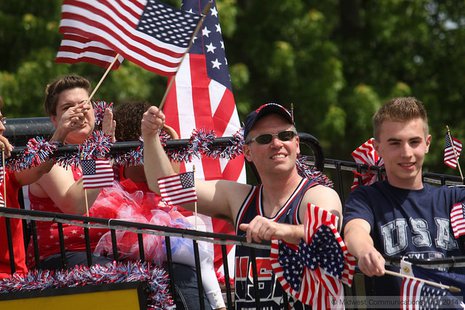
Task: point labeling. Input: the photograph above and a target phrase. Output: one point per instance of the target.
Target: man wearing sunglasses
(274, 209)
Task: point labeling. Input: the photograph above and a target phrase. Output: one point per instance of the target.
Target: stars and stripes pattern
(75, 48)
(97, 173)
(366, 154)
(147, 32)
(416, 294)
(314, 271)
(457, 219)
(178, 189)
(201, 97)
(452, 150)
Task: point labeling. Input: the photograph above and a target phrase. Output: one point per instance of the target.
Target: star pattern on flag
(210, 36)
(163, 23)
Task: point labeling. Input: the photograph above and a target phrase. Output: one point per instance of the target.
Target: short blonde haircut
(400, 109)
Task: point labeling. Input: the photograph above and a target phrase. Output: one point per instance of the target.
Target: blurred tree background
(335, 60)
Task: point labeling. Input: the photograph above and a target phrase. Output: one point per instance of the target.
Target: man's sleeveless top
(269, 290)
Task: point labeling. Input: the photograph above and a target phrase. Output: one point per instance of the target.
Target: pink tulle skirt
(142, 207)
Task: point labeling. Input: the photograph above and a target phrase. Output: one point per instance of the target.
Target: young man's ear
(428, 143)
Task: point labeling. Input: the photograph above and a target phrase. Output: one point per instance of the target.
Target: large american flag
(366, 154)
(452, 151)
(97, 173)
(178, 189)
(75, 48)
(201, 97)
(146, 32)
(416, 294)
(314, 271)
(457, 219)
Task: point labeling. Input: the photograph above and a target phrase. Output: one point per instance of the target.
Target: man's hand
(261, 228)
(152, 122)
(371, 263)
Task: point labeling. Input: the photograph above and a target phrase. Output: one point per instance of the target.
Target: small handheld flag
(178, 189)
(97, 173)
(452, 150)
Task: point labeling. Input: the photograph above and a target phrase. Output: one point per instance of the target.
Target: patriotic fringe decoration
(159, 296)
(310, 172)
(37, 152)
(99, 111)
(98, 145)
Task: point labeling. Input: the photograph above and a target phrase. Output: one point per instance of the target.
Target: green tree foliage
(336, 61)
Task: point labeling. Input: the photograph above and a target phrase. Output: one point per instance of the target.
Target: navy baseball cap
(266, 109)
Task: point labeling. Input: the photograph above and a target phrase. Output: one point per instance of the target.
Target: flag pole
(197, 28)
(103, 76)
(455, 152)
(451, 288)
(85, 192)
(4, 176)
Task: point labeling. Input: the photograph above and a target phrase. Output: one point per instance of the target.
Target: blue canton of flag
(209, 41)
(168, 24)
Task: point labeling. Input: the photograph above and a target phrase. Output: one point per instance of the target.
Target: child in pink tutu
(131, 200)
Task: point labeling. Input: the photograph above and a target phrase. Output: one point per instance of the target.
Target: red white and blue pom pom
(96, 146)
(99, 110)
(37, 151)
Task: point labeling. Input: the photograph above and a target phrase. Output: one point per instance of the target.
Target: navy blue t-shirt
(413, 223)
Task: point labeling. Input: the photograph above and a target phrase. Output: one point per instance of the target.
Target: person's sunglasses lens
(264, 139)
(283, 136)
(286, 135)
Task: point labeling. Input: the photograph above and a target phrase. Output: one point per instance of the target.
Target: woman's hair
(128, 116)
(400, 109)
(53, 90)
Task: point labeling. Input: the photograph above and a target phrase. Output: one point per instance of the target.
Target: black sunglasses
(268, 137)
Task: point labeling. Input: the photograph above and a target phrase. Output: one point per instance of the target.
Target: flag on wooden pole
(178, 189)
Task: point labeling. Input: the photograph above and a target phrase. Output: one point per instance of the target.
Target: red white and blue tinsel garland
(98, 146)
(157, 279)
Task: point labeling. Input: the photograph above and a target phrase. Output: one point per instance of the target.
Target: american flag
(178, 189)
(147, 32)
(315, 271)
(97, 173)
(416, 294)
(201, 97)
(74, 48)
(452, 151)
(366, 154)
(457, 219)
